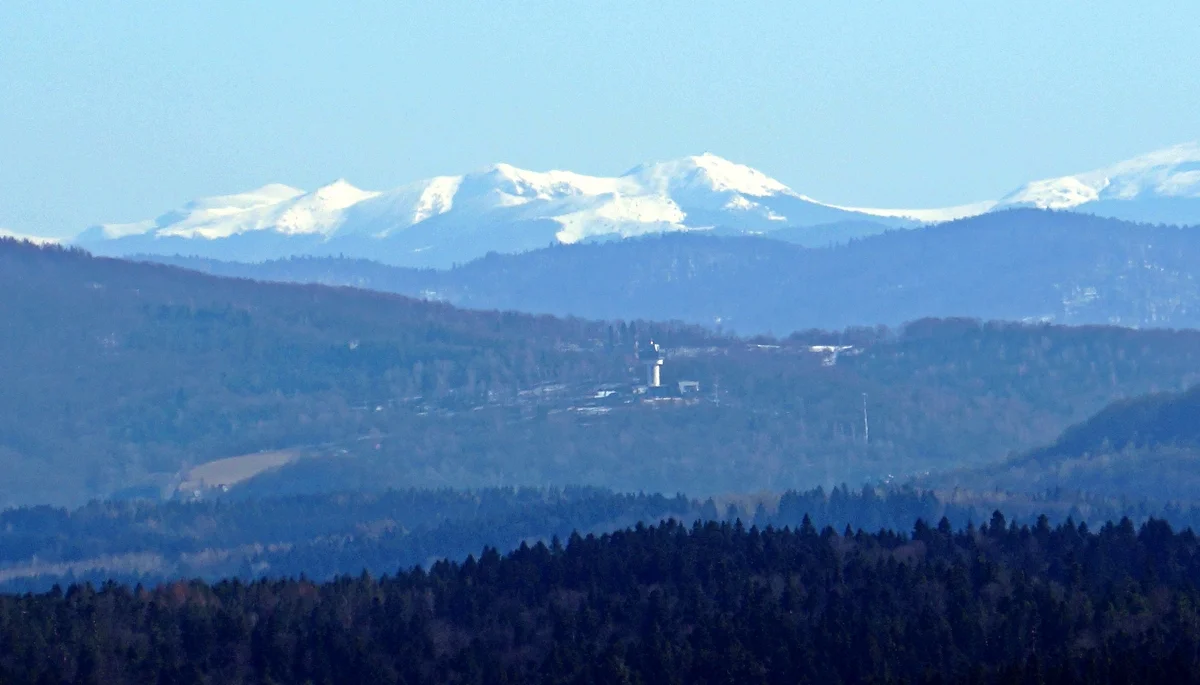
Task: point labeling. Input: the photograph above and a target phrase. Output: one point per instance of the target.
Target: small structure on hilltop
(652, 358)
(831, 352)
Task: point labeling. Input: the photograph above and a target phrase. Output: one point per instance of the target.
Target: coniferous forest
(324, 536)
(709, 603)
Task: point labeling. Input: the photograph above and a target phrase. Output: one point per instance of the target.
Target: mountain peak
(457, 218)
(1172, 172)
(505, 208)
(708, 171)
(341, 193)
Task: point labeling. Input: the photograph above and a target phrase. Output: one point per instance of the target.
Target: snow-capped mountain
(451, 219)
(1160, 187)
(274, 207)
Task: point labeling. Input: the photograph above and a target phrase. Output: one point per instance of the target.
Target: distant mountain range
(1022, 265)
(440, 221)
(454, 219)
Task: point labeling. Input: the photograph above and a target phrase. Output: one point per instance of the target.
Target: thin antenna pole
(866, 424)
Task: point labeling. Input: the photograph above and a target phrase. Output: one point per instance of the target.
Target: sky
(118, 111)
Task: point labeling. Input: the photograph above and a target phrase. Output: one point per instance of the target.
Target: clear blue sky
(117, 111)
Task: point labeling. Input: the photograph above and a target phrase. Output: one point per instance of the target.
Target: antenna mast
(866, 424)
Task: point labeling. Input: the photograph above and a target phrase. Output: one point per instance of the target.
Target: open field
(233, 470)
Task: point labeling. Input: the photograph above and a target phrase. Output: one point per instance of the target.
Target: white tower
(652, 357)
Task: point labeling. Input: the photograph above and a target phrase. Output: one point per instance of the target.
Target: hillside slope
(938, 395)
(1017, 265)
(120, 378)
(1148, 444)
(115, 371)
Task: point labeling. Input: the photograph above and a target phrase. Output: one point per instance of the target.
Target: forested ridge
(940, 395)
(325, 535)
(319, 536)
(1167, 418)
(121, 376)
(1070, 268)
(1146, 444)
(709, 603)
(115, 371)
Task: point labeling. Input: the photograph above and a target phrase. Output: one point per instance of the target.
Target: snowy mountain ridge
(1170, 174)
(452, 219)
(446, 219)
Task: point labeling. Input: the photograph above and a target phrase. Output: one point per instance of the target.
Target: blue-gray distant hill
(1148, 444)
(1023, 265)
(133, 380)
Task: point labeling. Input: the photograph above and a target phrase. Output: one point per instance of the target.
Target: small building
(689, 388)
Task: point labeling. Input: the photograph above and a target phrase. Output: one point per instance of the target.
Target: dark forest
(710, 603)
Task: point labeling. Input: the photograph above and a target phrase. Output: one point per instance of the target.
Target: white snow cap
(706, 172)
(452, 219)
(1172, 172)
(276, 207)
(648, 198)
(928, 216)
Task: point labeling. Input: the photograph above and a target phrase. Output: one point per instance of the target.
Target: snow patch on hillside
(437, 197)
(275, 207)
(706, 173)
(928, 216)
(623, 217)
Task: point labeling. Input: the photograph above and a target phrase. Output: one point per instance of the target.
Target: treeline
(708, 603)
(322, 536)
(317, 536)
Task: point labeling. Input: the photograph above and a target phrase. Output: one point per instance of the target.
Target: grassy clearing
(233, 470)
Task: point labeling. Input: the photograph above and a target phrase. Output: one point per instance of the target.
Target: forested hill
(711, 603)
(938, 395)
(1139, 445)
(326, 535)
(1016, 265)
(114, 370)
(128, 379)
(1168, 418)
